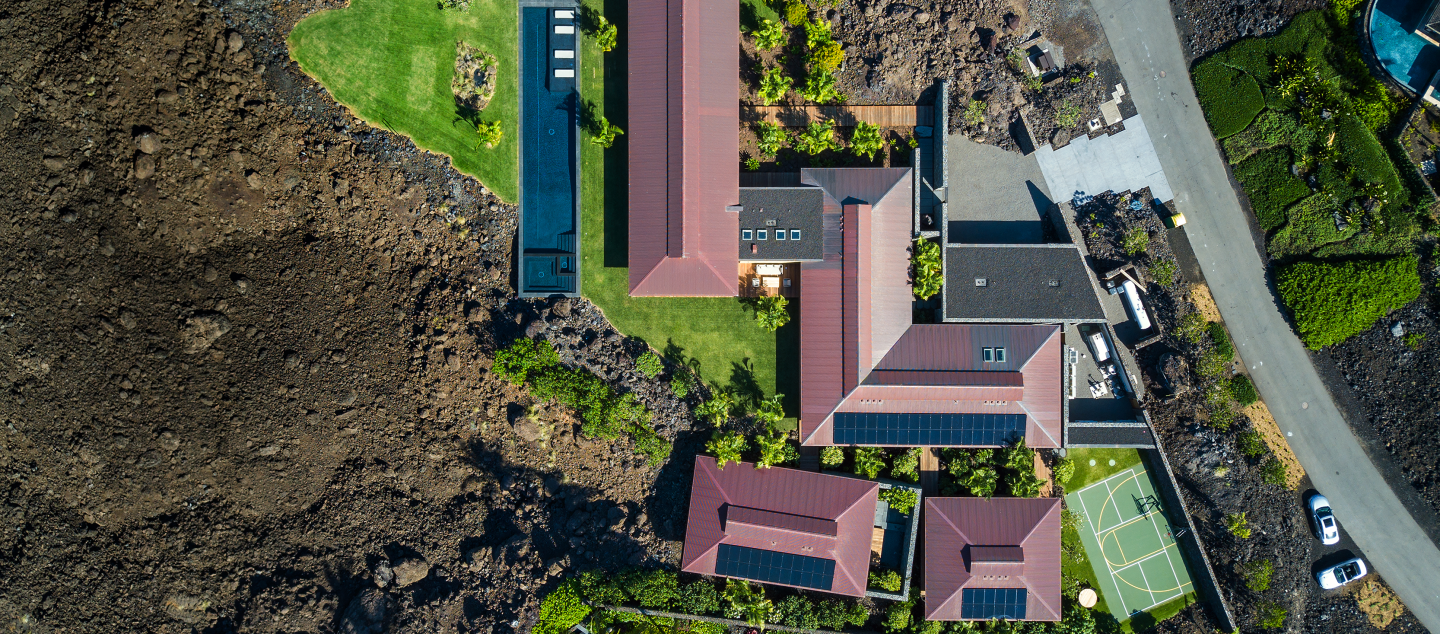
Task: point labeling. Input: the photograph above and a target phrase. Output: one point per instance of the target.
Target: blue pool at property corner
(1406, 56)
(549, 261)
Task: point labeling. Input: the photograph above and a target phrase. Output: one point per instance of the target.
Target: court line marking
(1164, 549)
(1168, 560)
(1091, 521)
(1147, 583)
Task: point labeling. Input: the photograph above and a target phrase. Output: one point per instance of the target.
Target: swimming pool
(1408, 58)
(549, 262)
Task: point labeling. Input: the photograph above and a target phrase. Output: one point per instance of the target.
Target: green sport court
(1129, 543)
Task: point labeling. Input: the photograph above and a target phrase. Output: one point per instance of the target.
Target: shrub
(1237, 525)
(746, 602)
(974, 112)
(1413, 340)
(561, 609)
(770, 410)
(752, 164)
(727, 447)
(773, 86)
(604, 132)
(775, 449)
(832, 456)
(897, 618)
(706, 627)
(1191, 327)
(717, 409)
(1310, 223)
(769, 35)
(649, 365)
(1064, 470)
(770, 311)
(1243, 390)
(817, 32)
(1270, 185)
(834, 614)
(1272, 616)
(865, 140)
(1214, 366)
(489, 134)
(796, 12)
(906, 466)
(770, 137)
(516, 362)
(925, 269)
(699, 597)
(869, 461)
(796, 611)
(1164, 273)
(1067, 114)
(1251, 444)
(928, 627)
(820, 87)
(1361, 149)
(887, 580)
(600, 587)
(1333, 301)
(605, 34)
(1135, 241)
(1273, 472)
(901, 500)
(681, 383)
(1229, 96)
(651, 587)
(826, 55)
(1024, 484)
(1222, 340)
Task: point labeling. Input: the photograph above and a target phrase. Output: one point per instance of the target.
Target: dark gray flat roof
(774, 209)
(1034, 283)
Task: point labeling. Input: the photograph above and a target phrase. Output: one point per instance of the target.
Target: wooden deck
(749, 288)
(800, 116)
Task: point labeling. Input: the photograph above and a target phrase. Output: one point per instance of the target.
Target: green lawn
(1086, 475)
(390, 62)
(716, 335)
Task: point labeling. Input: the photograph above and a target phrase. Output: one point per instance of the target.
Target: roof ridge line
(1053, 334)
(1032, 416)
(1036, 525)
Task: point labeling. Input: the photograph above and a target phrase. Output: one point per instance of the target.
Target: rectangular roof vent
(981, 282)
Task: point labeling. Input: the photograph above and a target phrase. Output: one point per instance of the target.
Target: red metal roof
(992, 543)
(684, 92)
(781, 510)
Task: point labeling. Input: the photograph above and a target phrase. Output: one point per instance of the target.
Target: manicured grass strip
(1230, 97)
(391, 61)
(1086, 474)
(716, 335)
(1270, 185)
(1333, 301)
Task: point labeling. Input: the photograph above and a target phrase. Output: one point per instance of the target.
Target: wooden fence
(800, 116)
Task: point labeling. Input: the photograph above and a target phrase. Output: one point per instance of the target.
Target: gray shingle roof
(781, 208)
(1022, 283)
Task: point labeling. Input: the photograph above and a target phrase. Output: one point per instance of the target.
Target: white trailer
(1137, 306)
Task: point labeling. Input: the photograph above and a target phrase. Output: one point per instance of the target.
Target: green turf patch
(1087, 474)
(1310, 224)
(1230, 97)
(1333, 301)
(391, 63)
(717, 336)
(1270, 185)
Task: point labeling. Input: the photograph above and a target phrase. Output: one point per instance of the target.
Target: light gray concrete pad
(1117, 162)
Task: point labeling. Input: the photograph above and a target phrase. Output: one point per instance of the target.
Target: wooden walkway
(800, 116)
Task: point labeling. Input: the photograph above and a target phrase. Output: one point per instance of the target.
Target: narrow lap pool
(549, 262)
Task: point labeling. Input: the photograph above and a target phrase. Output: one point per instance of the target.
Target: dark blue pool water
(549, 170)
(1406, 56)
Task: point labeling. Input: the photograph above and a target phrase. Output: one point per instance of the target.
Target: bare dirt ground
(243, 355)
(1207, 26)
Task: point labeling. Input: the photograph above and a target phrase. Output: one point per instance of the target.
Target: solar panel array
(769, 566)
(855, 428)
(992, 603)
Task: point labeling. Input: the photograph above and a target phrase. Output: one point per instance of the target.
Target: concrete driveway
(1143, 37)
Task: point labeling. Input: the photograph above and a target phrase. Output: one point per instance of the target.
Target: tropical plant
(769, 137)
(899, 616)
(1019, 457)
(770, 311)
(752, 164)
(681, 383)
(820, 87)
(561, 609)
(770, 410)
(773, 86)
(817, 137)
(1024, 484)
(925, 269)
(726, 446)
(817, 31)
(649, 364)
(1064, 470)
(832, 456)
(1135, 241)
(980, 480)
(1238, 525)
(605, 34)
(746, 602)
(604, 132)
(775, 449)
(900, 499)
(769, 35)
(488, 134)
(827, 55)
(869, 461)
(717, 409)
(906, 466)
(1257, 574)
(974, 112)
(865, 140)
(887, 580)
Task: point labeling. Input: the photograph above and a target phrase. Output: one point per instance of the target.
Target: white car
(1341, 574)
(1323, 519)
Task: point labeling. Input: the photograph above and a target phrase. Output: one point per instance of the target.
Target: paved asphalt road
(1143, 36)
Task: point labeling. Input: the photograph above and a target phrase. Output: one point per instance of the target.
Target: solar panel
(909, 430)
(992, 603)
(769, 566)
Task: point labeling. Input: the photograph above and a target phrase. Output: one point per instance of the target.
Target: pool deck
(549, 236)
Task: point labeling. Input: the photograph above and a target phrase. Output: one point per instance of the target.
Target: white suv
(1323, 519)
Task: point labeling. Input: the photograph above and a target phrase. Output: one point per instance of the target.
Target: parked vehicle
(1322, 520)
(1099, 347)
(1341, 573)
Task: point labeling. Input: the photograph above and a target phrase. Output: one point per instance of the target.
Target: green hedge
(1270, 185)
(1333, 301)
(1230, 98)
